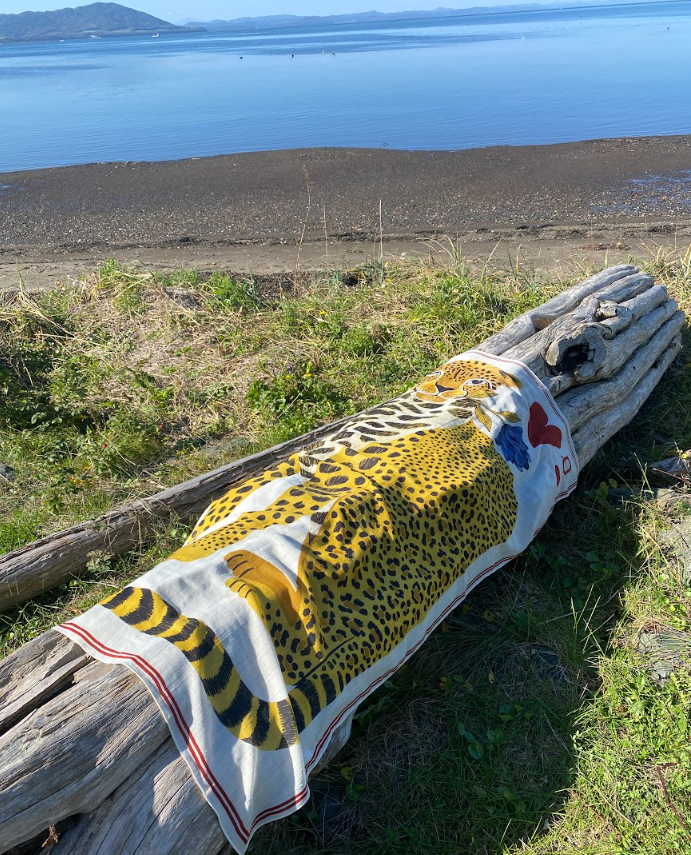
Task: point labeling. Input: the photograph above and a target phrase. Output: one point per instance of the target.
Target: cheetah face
(464, 379)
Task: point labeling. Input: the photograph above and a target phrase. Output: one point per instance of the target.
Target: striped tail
(268, 725)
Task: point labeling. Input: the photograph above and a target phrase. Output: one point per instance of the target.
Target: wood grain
(595, 433)
(530, 322)
(580, 405)
(50, 561)
(36, 672)
(84, 738)
(72, 752)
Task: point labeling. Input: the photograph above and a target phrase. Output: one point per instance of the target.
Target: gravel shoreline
(334, 195)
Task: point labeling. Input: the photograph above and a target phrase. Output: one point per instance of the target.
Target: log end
(580, 353)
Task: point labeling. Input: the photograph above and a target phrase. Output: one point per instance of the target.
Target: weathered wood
(566, 328)
(91, 738)
(581, 404)
(578, 349)
(604, 356)
(626, 313)
(532, 351)
(620, 348)
(158, 810)
(576, 357)
(109, 751)
(36, 672)
(595, 433)
(625, 288)
(671, 469)
(530, 322)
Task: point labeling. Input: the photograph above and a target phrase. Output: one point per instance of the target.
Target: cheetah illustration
(362, 535)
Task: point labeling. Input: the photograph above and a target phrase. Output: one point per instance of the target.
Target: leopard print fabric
(390, 512)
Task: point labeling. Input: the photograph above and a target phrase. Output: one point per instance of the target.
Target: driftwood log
(84, 740)
(50, 561)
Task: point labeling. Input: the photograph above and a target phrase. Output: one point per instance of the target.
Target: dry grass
(530, 722)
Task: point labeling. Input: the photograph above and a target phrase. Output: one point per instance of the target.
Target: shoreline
(263, 206)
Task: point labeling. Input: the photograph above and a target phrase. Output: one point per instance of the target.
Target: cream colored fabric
(302, 589)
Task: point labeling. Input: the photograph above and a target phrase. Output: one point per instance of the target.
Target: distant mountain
(97, 19)
(269, 22)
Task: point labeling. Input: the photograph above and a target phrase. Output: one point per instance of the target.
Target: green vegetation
(530, 721)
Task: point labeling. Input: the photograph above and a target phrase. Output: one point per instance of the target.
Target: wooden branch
(527, 324)
(620, 348)
(567, 328)
(625, 288)
(626, 313)
(577, 349)
(593, 435)
(52, 560)
(603, 356)
(36, 672)
(671, 469)
(581, 404)
(95, 726)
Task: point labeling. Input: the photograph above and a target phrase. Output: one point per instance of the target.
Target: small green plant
(365, 341)
(296, 401)
(568, 742)
(231, 294)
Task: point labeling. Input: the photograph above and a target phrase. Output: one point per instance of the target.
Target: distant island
(95, 21)
(269, 22)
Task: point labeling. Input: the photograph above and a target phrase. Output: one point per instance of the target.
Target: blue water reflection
(507, 79)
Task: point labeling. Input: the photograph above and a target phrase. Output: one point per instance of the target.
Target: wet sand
(253, 211)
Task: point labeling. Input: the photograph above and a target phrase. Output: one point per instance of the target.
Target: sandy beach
(269, 211)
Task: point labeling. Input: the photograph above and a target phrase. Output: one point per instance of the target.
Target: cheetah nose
(441, 388)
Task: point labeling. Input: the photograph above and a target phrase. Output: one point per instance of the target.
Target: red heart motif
(539, 432)
(558, 474)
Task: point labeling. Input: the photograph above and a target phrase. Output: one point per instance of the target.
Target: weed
(529, 722)
(296, 401)
(232, 295)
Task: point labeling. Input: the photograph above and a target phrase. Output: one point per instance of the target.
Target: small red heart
(539, 432)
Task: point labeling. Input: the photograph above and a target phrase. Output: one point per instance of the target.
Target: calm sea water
(458, 83)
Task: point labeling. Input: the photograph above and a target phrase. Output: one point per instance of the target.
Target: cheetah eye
(475, 382)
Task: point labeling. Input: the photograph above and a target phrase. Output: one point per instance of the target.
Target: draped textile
(303, 588)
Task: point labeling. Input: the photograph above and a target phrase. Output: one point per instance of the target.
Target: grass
(530, 722)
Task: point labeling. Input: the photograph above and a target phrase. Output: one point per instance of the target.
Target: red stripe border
(296, 801)
(180, 722)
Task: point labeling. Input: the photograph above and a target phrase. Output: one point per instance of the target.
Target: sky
(178, 11)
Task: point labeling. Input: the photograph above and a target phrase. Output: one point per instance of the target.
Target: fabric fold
(305, 587)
